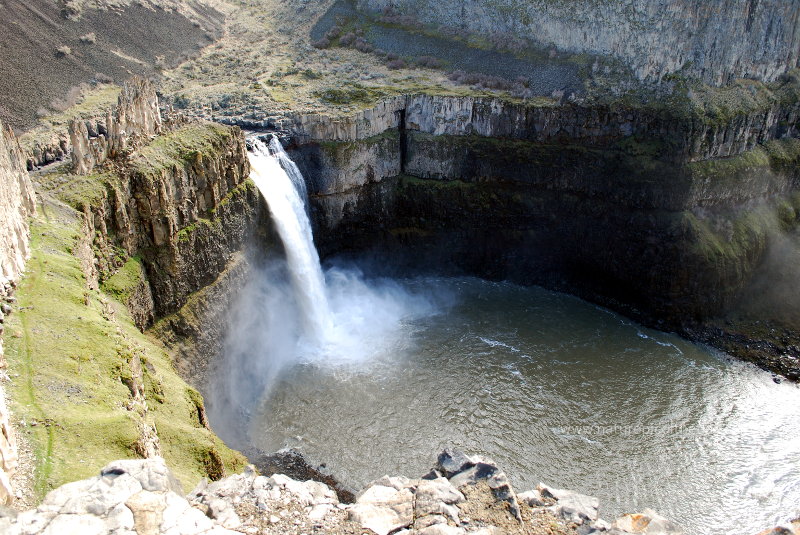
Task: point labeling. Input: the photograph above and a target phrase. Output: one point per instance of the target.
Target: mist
(266, 336)
(773, 293)
(291, 312)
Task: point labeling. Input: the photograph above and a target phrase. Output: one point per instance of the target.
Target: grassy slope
(70, 348)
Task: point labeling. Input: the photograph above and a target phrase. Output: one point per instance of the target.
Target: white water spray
(282, 185)
(288, 314)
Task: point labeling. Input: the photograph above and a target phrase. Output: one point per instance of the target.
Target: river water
(555, 390)
(377, 376)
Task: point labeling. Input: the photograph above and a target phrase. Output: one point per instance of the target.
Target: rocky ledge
(462, 494)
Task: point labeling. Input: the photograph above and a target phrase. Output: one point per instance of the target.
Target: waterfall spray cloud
(290, 312)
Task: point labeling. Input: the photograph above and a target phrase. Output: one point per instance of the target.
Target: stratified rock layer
(716, 41)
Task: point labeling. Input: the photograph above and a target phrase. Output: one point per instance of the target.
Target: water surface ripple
(555, 390)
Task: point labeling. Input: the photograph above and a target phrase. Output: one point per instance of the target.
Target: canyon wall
(183, 206)
(17, 205)
(663, 214)
(151, 211)
(714, 41)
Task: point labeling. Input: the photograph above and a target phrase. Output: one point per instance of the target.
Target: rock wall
(17, 205)
(183, 205)
(133, 121)
(714, 41)
(689, 138)
(664, 216)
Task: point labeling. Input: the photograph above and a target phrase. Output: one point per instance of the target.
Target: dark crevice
(401, 128)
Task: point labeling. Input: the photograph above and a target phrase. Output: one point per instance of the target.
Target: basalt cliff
(682, 212)
(667, 217)
(716, 42)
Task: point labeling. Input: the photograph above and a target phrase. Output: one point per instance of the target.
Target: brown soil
(483, 509)
(35, 76)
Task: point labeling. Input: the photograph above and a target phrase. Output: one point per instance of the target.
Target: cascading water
(288, 314)
(368, 377)
(282, 185)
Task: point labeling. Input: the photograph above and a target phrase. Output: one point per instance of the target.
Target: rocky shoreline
(461, 495)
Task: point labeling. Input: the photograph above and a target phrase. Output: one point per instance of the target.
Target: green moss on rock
(179, 148)
(125, 281)
(71, 347)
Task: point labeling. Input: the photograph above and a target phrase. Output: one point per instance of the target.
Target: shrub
(429, 62)
(322, 43)
(102, 78)
(89, 38)
(518, 87)
(395, 64)
(363, 46)
(347, 39)
(63, 50)
(333, 33)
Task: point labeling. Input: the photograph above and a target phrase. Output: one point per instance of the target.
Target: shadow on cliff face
(545, 74)
(773, 294)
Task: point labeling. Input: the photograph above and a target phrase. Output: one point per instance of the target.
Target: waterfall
(282, 186)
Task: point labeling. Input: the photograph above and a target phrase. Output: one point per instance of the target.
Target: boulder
(648, 522)
(383, 509)
(152, 474)
(571, 506)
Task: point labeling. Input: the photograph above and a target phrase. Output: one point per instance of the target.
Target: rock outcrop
(715, 41)
(17, 205)
(462, 495)
(134, 121)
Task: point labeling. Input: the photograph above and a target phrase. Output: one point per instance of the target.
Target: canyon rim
(283, 248)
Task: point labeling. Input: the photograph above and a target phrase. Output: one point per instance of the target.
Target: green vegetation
(730, 239)
(125, 281)
(182, 147)
(71, 347)
(78, 191)
(718, 105)
(779, 156)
